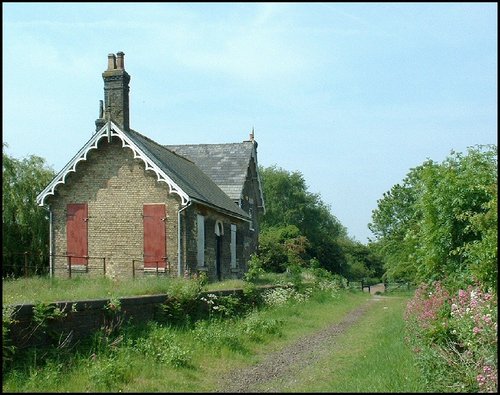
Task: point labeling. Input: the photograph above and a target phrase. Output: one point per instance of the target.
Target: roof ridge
(162, 146)
(194, 144)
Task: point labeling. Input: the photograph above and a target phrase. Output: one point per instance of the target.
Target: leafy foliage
(297, 225)
(163, 347)
(362, 261)
(441, 223)
(8, 350)
(280, 247)
(25, 226)
(439, 228)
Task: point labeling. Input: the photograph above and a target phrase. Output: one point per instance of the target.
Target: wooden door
(155, 246)
(77, 233)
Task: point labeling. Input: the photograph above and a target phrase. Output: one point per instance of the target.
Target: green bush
(256, 328)
(161, 345)
(108, 372)
(255, 269)
(215, 335)
(8, 350)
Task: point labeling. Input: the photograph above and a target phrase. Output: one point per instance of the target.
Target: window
(219, 228)
(233, 246)
(200, 224)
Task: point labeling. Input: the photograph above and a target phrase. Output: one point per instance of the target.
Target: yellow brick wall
(115, 186)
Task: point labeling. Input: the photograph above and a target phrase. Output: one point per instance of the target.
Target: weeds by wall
(41, 325)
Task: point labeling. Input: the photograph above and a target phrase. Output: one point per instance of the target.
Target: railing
(27, 264)
(21, 265)
(138, 265)
(24, 264)
(365, 285)
(73, 267)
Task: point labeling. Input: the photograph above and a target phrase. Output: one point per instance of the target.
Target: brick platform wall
(83, 318)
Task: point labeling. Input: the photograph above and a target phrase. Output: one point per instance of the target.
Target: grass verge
(370, 357)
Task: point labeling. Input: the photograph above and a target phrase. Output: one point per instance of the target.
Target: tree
(289, 203)
(394, 224)
(281, 247)
(25, 227)
(363, 261)
(442, 222)
(457, 196)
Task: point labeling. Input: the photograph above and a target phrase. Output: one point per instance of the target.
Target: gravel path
(278, 368)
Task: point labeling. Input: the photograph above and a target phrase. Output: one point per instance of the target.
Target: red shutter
(77, 233)
(154, 235)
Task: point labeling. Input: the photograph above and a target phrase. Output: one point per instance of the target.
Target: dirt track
(278, 368)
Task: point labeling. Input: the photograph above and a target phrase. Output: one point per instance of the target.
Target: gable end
(110, 130)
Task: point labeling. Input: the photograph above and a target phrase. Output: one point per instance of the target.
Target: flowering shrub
(280, 296)
(455, 337)
(426, 306)
(220, 306)
(474, 323)
(331, 286)
(323, 280)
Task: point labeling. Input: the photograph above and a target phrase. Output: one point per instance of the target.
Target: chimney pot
(116, 91)
(120, 63)
(111, 61)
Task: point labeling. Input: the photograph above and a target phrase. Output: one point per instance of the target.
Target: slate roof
(225, 164)
(190, 177)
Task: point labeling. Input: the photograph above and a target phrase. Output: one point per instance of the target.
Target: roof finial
(252, 135)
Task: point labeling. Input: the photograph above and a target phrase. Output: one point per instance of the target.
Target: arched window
(219, 228)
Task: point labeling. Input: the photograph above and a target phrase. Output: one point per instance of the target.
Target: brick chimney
(116, 100)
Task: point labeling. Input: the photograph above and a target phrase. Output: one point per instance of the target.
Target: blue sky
(352, 95)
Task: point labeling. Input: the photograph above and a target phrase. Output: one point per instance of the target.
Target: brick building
(127, 205)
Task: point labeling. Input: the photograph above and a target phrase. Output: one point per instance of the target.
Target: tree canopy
(298, 228)
(25, 227)
(441, 222)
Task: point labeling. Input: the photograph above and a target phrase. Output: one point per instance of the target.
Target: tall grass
(162, 358)
(47, 290)
(44, 289)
